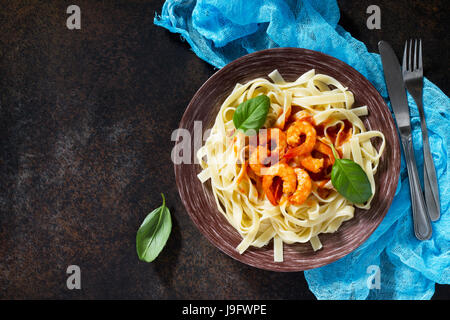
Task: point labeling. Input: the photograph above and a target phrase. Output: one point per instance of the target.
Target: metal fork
(413, 79)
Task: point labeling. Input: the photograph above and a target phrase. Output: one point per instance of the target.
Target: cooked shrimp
(295, 131)
(272, 147)
(310, 163)
(302, 115)
(304, 186)
(275, 140)
(286, 173)
(298, 128)
(326, 150)
(257, 159)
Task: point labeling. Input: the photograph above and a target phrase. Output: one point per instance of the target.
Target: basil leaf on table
(350, 180)
(153, 233)
(250, 115)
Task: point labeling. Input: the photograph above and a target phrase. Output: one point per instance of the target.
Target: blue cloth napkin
(220, 31)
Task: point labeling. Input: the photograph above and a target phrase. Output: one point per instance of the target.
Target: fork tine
(415, 59)
(410, 68)
(405, 53)
(420, 54)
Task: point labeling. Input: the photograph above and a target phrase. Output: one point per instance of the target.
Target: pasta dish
(278, 182)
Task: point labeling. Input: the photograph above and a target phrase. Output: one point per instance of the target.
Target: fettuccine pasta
(277, 204)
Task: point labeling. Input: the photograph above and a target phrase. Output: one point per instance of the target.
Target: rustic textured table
(86, 118)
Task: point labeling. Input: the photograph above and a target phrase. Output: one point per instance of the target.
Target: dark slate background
(86, 119)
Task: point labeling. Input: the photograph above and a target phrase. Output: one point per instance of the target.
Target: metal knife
(397, 95)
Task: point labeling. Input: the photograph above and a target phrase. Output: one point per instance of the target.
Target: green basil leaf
(250, 115)
(153, 233)
(350, 180)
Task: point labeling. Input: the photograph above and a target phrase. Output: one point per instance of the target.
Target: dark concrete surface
(86, 119)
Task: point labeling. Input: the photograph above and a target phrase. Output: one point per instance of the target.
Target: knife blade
(394, 82)
(397, 94)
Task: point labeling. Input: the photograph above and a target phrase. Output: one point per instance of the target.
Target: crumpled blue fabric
(220, 31)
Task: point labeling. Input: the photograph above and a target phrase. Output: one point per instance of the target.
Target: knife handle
(421, 219)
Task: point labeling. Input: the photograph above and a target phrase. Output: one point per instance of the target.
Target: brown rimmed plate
(291, 63)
